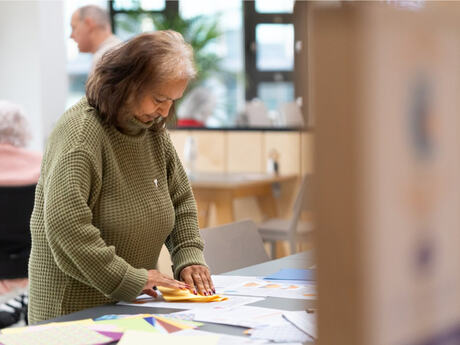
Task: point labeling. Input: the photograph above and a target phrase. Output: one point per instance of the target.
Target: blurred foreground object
(385, 79)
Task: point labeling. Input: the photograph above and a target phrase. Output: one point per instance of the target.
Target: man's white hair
(96, 13)
(14, 128)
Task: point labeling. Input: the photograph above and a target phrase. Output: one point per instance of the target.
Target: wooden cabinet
(245, 152)
(287, 147)
(248, 151)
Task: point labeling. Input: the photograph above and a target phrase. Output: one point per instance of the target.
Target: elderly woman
(112, 189)
(19, 166)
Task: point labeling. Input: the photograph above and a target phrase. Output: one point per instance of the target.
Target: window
(219, 61)
(252, 57)
(269, 60)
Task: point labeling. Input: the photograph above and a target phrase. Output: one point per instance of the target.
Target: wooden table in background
(222, 189)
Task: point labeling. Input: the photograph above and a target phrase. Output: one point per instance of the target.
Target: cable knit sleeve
(184, 243)
(70, 189)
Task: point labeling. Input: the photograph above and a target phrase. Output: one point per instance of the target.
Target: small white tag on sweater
(156, 182)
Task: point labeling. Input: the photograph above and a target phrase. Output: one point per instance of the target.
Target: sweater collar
(133, 127)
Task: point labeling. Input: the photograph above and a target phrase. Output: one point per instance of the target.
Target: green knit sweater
(105, 203)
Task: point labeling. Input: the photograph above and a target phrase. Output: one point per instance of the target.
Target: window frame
(254, 76)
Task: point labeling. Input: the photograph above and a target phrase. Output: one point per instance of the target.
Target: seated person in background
(196, 107)
(18, 167)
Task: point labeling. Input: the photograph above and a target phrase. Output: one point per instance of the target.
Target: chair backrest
(16, 204)
(233, 246)
(303, 201)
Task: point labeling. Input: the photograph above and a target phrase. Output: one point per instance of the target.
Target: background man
(92, 31)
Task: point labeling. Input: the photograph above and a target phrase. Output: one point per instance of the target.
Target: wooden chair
(232, 246)
(291, 230)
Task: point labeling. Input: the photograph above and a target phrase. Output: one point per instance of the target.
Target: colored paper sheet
(175, 322)
(137, 323)
(177, 295)
(170, 328)
(114, 336)
(70, 335)
(144, 338)
(293, 274)
(48, 325)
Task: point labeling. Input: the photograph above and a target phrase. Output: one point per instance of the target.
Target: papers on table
(244, 316)
(232, 301)
(106, 329)
(253, 286)
(225, 339)
(303, 321)
(267, 324)
(141, 338)
(72, 334)
(282, 333)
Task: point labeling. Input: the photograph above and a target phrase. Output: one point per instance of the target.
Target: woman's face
(158, 102)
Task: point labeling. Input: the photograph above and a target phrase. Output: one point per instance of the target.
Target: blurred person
(112, 189)
(196, 107)
(92, 31)
(18, 167)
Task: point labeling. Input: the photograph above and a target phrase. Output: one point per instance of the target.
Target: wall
(32, 62)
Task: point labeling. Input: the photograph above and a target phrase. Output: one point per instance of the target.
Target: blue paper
(292, 274)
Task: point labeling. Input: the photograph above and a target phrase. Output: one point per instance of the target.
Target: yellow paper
(28, 328)
(177, 295)
(141, 338)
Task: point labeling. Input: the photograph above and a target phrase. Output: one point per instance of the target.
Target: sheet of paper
(224, 339)
(125, 324)
(145, 338)
(268, 288)
(48, 325)
(303, 320)
(283, 333)
(222, 282)
(232, 301)
(244, 316)
(58, 335)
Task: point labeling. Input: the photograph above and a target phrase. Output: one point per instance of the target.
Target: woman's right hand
(156, 278)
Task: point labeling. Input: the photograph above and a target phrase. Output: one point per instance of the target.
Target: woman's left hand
(199, 279)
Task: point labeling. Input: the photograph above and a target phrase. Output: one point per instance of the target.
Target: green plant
(200, 32)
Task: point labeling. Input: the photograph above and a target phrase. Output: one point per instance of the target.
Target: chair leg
(273, 249)
(293, 245)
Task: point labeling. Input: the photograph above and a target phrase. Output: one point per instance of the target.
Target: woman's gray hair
(132, 70)
(14, 128)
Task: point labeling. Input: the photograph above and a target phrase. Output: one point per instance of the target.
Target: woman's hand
(155, 278)
(198, 278)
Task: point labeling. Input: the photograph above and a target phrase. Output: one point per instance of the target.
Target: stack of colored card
(147, 323)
